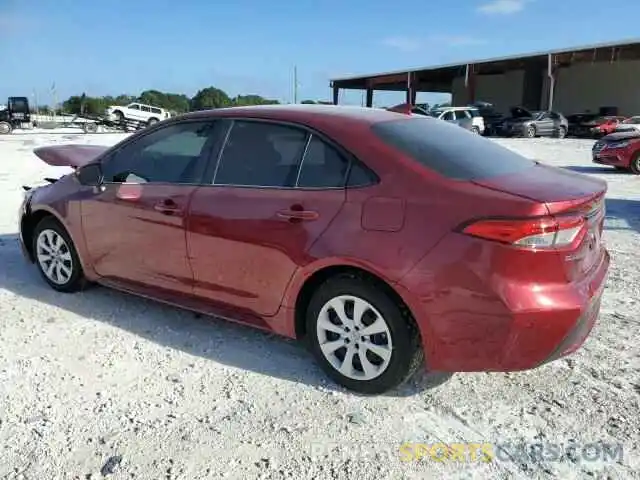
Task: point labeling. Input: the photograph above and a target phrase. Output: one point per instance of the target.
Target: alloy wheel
(54, 257)
(354, 337)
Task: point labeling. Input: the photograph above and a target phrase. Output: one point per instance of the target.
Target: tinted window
(450, 150)
(322, 167)
(168, 155)
(474, 113)
(460, 115)
(261, 154)
(134, 107)
(145, 109)
(155, 110)
(447, 116)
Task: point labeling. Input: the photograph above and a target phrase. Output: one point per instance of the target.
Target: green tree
(308, 102)
(245, 100)
(210, 97)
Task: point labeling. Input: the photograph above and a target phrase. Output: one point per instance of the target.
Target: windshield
(450, 150)
(537, 115)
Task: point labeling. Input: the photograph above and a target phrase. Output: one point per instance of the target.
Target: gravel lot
(101, 383)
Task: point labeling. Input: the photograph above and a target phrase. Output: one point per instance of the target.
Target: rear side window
(450, 150)
(322, 166)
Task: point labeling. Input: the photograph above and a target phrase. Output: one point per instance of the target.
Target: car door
(275, 190)
(545, 124)
(134, 224)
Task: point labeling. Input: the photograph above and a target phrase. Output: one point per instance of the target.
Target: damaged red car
(387, 243)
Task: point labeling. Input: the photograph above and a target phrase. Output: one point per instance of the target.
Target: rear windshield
(450, 150)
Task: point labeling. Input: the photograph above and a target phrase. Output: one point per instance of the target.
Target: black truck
(15, 115)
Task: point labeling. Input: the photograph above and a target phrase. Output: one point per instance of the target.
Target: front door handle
(298, 215)
(167, 207)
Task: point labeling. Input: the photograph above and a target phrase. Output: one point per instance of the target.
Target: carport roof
(439, 77)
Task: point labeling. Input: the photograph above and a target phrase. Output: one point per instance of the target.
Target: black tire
(530, 132)
(119, 116)
(406, 353)
(562, 132)
(475, 130)
(634, 166)
(5, 128)
(152, 121)
(76, 280)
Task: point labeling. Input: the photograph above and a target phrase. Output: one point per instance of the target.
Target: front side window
(134, 106)
(261, 154)
(172, 154)
(461, 115)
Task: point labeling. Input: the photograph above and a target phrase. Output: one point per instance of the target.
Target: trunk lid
(558, 188)
(73, 155)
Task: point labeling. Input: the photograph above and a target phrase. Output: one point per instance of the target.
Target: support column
(409, 95)
(336, 93)
(470, 83)
(369, 101)
(551, 72)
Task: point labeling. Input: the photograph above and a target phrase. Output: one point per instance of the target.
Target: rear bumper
(471, 323)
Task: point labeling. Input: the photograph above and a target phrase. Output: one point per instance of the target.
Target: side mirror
(90, 175)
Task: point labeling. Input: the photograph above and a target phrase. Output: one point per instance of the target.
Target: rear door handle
(298, 215)
(167, 207)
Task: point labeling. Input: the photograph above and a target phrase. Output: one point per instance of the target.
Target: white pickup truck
(137, 112)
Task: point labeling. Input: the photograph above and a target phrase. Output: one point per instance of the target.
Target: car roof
(300, 112)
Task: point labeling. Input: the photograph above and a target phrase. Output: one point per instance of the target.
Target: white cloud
(502, 7)
(406, 44)
(413, 44)
(456, 40)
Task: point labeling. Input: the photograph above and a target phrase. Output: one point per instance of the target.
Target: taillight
(538, 233)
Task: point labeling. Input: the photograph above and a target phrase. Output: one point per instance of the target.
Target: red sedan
(604, 125)
(387, 242)
(620, 150)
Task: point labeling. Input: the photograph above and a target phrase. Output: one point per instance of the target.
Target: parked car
(490, 116)
(631, 124)
(461, 119)
(461, 116)
(137, 112)
(578, 124)
(620, 150)
(523, 122)
(601, 126)
(361, 231)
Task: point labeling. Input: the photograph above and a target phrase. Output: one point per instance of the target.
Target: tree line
(205, 99)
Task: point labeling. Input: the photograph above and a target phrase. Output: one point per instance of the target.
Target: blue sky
(251, 46)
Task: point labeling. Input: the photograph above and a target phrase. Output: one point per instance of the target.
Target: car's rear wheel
(152, 121)
(56, 257)
(475, 130)
(361, 337)
(530, 131)
(635, 164)
(562, 132)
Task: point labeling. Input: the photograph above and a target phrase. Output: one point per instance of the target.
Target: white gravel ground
(104, 381)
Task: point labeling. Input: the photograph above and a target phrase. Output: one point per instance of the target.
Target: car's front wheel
(361, 336)
(635, 164)
(56, 257)
(530, 132)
